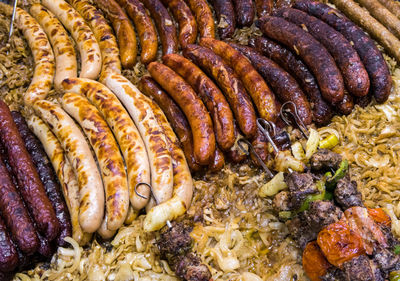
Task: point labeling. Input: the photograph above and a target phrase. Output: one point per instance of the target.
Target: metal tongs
(151, 194)
(10, 33)
(290, 116)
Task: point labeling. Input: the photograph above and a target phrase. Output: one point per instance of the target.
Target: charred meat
(321, 214)
(325, 159)
(300, 186)
(347, 194)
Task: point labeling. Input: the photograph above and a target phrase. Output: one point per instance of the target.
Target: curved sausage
(13, 211)
(255, 85)
(91, 192)
(244, 10)
(32, 189)
(43, 57)
(315, 55)
(375, 64)
(165, 25)
(353, 71)
(151, 132)
(175, 116)
(211, 96)
(124, 30)
(8, 253)
(282, 83)
(103, 230)
(64, 52)
(264, 7)
(110, 62)
(47, 176)
(108, 156)
(185, 19)
(64, 171)
(193, 108)
(218, 161)
(88, 47)
(229, 83)
(225, 17)
(145, 28)
(322, 111)
(204, 17)
(125, 132)
(346, 105)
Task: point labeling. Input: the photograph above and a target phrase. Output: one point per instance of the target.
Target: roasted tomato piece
(314, 262)
(379, 216)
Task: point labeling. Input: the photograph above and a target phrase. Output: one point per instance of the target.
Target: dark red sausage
(264, 7)
(260, 145)
(322, 111)
(346, 105)
(8, 253)
(218, 161)
(244, 10)
(230, 85)
(32, 189)
(312, 52)
(282, 83)
(225, 16)
(375, 64)
(353, 71)
(13, 210)
(47, 176)
(165, 25)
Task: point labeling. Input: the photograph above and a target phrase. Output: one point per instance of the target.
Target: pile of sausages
(33, 214)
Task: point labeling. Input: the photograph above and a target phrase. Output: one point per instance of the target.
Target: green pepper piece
(314, 197)
(339, 174)
(285, 215)
(397, 250)
(394, 276)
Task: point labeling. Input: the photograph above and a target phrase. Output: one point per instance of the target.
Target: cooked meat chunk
(347, 194)
(190, 268)
(300, 185)
(386, 259)
(175, 241)
(321, 214)
(334, 274)
(361, 268)
(282, 201)
(301, 232)
(325, 159)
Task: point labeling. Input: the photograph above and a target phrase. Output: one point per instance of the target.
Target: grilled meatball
(346, 193)
(300, 186)
(191, 268)
(301, 232)
(321, 214)
(325, 159)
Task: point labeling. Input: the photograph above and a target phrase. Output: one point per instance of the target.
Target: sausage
(64, 52)
(378, 71)
(47, 176)
(235, 154)
(124, 30)
(346, 105)
(89, 49)
(211, 96)
(282, 83)
(218, 161)
(244, 10)
(383, 15)
(152, 134)
(230, 85)
(131, 216)
(165, 25)
(43, 57)
(13, 209)
(187, 24)
(103, 231)
(64, 171)
(175, 116)
(91, 192)
(32, 189)
(104, 34)
(225, 17)
(322, 111)
(260, 145)
(255, 85)
(361, 17)
(145, 28)
(107, 153)
(264, 7)
(353, 71)
(392, 6)
(183, 183)
(193, 108)
(125, 132)
(8, 253)
(204, 17)
(315, 55)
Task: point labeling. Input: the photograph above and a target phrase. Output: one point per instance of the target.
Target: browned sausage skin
(165, 25)
(311, 51)
(8, 253)
(229, 83)
(322, 111)
(28, 179)
(264, 7)
(175, 116)
(204, 17)
(244, 10)
(225, 17)
(194, 109)
(353, 71)
(212, 97)
(378, 71)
